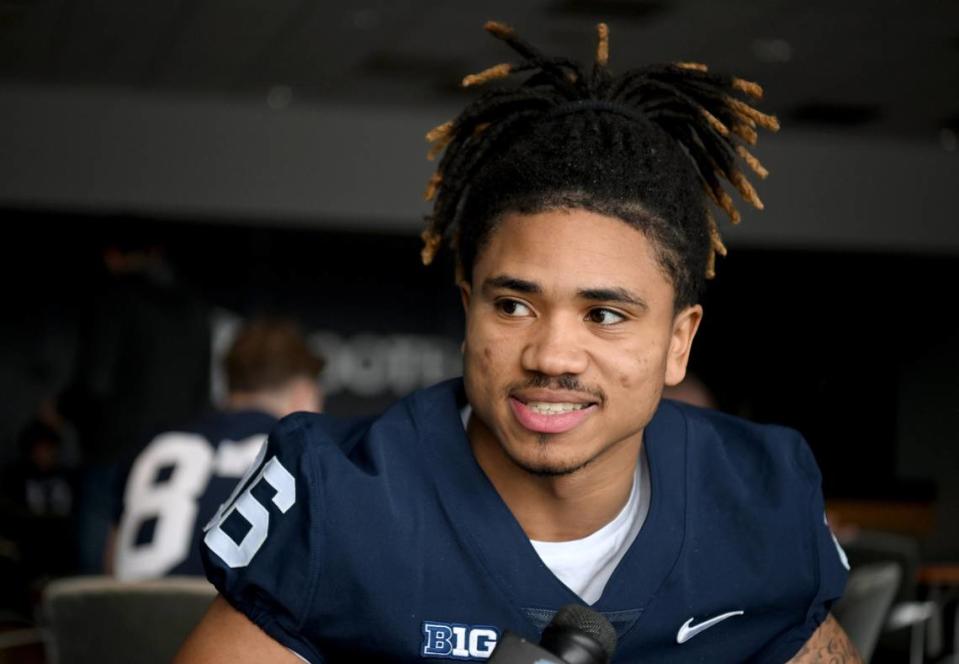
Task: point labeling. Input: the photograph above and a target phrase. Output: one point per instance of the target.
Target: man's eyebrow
(512, 283)
(612, 295)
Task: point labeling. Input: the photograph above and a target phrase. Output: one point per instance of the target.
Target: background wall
(364, 167)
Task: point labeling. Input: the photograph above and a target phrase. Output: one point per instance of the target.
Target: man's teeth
(551, 408)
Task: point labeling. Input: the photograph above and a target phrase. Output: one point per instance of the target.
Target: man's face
(570, 338)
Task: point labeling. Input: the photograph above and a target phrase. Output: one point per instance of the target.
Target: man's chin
(549, 467)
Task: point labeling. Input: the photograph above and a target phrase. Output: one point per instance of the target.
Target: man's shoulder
(761, 455)
(390, 434)
(319, 431)
(325, 494)
(213, 425)
(755, 548)
(231, 425)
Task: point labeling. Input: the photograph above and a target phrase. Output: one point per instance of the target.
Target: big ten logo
(456, 641)
(368, 364)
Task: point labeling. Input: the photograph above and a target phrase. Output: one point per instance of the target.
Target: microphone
(575, 635)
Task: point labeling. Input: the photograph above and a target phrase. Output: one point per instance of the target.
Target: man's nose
(556, 347)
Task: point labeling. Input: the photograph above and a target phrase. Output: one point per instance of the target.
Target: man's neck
(559, 507)
(266, 403)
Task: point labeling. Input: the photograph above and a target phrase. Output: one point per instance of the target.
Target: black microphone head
(591, 623)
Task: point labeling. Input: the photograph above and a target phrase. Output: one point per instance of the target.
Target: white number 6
(239, 555)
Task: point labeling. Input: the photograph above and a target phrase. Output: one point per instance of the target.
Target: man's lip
(552, 423)
(553, 396)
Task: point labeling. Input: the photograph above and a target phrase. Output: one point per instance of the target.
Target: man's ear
(685, 325)
(465, 293)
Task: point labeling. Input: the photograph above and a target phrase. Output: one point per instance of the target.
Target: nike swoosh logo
(688, 630)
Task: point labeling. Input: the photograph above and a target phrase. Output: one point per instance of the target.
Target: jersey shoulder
(366, 446)
(321, 499)
(756, 540)
(759, 457)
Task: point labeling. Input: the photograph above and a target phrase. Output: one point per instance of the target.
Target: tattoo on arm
(828, 645)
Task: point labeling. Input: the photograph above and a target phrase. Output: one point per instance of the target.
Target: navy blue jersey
(175, 484)
(384, 540)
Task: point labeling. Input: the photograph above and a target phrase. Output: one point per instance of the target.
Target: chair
(923, 636)
(23, 645)
(105, 621)
(863, 609)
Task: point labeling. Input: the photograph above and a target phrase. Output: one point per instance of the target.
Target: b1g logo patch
(456, 641)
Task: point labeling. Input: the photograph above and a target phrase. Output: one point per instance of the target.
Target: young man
(552, 472)
(181, 477)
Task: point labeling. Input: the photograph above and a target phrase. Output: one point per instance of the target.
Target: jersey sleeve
(262, 548)
(828, 559)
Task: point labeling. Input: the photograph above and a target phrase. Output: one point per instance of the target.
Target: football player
(176, 483)
(577, 204)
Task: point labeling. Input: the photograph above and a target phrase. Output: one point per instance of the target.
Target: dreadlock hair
(648, 146)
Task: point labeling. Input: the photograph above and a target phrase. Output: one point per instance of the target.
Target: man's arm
(226, 636)
(828, 644)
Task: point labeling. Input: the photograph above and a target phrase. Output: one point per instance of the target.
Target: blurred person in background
(692, 391)
(36, 503)
(142, 365)
(176, 483)
(40, 483)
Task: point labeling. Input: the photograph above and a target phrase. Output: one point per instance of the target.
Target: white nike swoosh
(688, 631)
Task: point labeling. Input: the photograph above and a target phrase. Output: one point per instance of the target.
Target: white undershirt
(585, 565)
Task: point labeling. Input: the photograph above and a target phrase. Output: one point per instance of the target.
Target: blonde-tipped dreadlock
(752, 162)
(705, 114)
(715, 244)
(431, 244)
(602, 45)
(497, 71)
(432, 186)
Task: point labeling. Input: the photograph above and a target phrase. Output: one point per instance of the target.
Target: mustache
(568, 382)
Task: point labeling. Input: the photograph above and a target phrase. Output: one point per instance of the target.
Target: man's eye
(513, 308)
(604, 317)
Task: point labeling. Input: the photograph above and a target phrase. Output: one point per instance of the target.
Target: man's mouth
(550, 416)
(552, 408)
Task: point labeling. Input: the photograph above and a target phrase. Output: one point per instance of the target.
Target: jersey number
(240, 554)
(172, 504)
